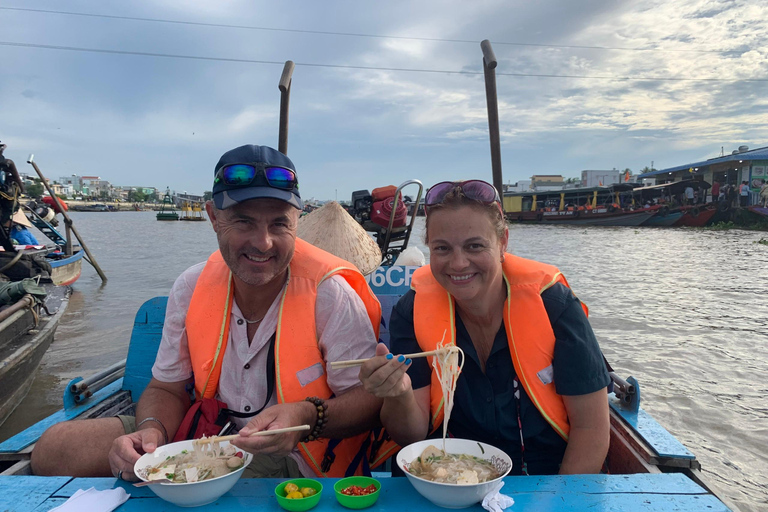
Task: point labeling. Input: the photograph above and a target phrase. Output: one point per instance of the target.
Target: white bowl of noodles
(215, 476)
(478, 462)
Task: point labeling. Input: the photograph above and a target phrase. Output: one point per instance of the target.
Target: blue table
(657, 492)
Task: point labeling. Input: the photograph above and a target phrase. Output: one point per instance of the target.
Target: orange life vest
(296, 344)
(529, 332)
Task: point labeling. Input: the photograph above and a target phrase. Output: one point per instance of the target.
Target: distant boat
(168, 209)
(96, 207)
(759, 210)
(696, 216)
(66, 259)
(591, 206)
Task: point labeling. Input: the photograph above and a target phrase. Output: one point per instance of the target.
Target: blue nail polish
(408, 361)
(400, 358)
(389, 356)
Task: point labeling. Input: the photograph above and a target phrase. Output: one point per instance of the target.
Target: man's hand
(277, 416)
(127, 449)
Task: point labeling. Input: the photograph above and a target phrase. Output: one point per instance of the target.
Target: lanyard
(516, 385)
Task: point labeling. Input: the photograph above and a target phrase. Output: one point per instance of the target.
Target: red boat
(696, 216)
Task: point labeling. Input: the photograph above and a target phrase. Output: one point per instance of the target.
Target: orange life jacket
(296, 344)
(529, 332)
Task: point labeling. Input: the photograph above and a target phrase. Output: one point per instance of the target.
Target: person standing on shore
(764, 194)
(715, 191)
(744, 192)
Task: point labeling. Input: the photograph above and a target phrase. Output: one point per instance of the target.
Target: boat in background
(167, 209)
(614, 205)
(65, 258)
(762, 211)
(697, 216)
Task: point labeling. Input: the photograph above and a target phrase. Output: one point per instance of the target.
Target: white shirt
(343, 329)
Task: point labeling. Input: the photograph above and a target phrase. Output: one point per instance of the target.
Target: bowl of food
(198, 474)
(457, 478)
(299, 494)
(357, 491)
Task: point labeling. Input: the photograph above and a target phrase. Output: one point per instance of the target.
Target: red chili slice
(356, 490)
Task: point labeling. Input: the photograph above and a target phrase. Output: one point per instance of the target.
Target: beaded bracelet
(322, 418)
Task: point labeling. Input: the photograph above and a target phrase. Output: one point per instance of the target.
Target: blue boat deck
(664, 492)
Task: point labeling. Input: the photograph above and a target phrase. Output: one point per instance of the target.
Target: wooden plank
(145, 340)
(657, 437)
(25, 493)
(623, 459)
(660, 492)
(673, 483)
(637, 444)
(393, 502)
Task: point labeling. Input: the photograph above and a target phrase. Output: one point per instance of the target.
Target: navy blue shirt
(484, 405)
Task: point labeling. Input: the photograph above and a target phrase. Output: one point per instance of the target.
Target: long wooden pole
(489, 70)
(285, 97)
(67, 220)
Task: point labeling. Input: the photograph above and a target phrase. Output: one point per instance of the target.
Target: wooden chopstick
(273, 432)
(335, 365)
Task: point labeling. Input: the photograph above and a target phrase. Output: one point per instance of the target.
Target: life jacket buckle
(328, 459)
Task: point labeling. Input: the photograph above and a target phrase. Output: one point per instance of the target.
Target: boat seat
(145, 341)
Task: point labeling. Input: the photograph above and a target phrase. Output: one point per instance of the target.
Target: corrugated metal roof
(755, 154)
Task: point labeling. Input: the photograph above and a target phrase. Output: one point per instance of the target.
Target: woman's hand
(127, 449)
(385, 376)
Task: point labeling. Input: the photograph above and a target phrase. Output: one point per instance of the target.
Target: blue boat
(649, 469)
(664, 218)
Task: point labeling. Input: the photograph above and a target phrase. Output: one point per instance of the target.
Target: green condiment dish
(356, 502)
(299, 504)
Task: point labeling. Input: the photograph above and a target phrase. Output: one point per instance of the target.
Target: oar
(67, 220)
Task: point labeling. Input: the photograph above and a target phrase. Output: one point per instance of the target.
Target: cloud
(165, 121)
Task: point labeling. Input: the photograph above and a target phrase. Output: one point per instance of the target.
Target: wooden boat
(593, 206)
(25, 335)
(664, 218)
(66, 259)
(649, 468)
(759, 210)
(66, 270)
(696, 216)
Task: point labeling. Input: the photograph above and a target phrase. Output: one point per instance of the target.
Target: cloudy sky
(382, 91)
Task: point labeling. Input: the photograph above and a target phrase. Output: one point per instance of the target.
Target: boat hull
(667, 220)
(66, 271)
(696, 218)
(22, 345)
(597, 219)
(759, 210)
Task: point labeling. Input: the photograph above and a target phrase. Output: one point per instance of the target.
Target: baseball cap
(252, 172)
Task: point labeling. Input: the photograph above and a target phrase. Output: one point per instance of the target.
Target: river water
(684, 311)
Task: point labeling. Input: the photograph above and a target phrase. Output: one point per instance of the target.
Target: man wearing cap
(253, 327)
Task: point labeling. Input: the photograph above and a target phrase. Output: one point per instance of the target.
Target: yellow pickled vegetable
(308, 491)
(294, 495)
(290, 488)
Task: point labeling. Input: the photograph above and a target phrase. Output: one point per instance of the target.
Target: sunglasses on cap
(241, 175)
(477, 190)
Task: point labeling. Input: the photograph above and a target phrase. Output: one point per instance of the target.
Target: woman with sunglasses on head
(534, 380)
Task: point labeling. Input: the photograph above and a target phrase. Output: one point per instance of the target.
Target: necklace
(253, 321)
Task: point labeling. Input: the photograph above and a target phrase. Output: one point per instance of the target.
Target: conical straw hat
(20, 218)
(334, 230)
